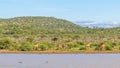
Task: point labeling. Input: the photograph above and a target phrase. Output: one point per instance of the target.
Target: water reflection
(59, 61)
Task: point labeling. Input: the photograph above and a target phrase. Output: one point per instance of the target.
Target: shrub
(14, 46)
(108, 48)
(26, 46)
(119, 47)
(94, 44)
(30, 38)
(44, 46)
(56, 48)
(82, 48)
(97, 48)
(6, 43)
(112, 44)
(81, 43)
(72, 45)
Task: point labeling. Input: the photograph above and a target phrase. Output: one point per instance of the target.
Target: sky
(73, 10)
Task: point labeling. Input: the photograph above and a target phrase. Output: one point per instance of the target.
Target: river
(59, 60)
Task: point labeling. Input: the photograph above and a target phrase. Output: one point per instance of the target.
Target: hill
(49, 33)
(38, 25)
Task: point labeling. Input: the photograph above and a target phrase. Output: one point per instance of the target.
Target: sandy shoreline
(59, 52)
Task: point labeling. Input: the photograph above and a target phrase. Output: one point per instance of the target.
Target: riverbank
(58, 52)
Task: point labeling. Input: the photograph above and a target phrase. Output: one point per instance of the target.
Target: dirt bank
(58, 52)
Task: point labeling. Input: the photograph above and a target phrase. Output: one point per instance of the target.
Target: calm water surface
(59, 60)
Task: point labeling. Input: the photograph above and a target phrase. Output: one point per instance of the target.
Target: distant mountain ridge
(93, 24)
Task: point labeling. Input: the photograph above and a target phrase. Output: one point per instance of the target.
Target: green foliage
(82, 48)
(94, 44)
(55, 39)
(81, 43)
(96, 48)
(72, 45)
(6, 43)
(21, 33)
(26, 46)
(30, 39)
(108, 48)
(44, 46)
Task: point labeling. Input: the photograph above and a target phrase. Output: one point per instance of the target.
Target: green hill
(22, 33)
(38, 25)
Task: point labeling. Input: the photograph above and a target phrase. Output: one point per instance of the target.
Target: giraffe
(61, 45)
(36, 47)
(101, 46)
(88, 45)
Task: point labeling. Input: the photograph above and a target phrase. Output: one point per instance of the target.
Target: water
(59, 60)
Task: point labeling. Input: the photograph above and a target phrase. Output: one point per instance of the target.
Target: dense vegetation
(49, 33)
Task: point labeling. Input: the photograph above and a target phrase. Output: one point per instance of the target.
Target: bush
(26, 46)
(6, 43)
(112, 44)
(72, 45)
(30, 38)
(97, 48)
(14, 46)
(81, 43)
(44, 46)
(93, 44)
(82, 48)
(108, 48)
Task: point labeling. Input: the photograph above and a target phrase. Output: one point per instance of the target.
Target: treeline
(49, 33)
